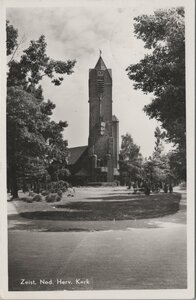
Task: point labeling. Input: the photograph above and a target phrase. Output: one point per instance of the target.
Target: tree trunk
(14, 185)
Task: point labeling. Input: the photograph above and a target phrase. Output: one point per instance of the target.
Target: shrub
(37, 198)
(56, 186)
(45, 193)
(27, 199)
(31, 194)
(53, 197)
(58, 198)
(60, 193)
(32, 198)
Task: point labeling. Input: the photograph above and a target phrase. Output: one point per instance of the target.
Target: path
(138, 254)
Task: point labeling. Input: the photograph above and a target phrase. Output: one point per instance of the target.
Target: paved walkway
(11, 208)
(118, 259)
(183, 193)
(130, 254)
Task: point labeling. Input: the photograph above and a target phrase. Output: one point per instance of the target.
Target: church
(97, 163)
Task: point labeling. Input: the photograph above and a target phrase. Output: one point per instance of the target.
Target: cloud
(79, 33)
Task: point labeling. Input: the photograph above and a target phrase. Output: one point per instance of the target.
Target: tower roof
(100, 64)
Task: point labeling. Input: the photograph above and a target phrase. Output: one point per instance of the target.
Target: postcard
(97, 155)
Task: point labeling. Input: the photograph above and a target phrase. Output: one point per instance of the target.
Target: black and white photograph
(97, 123)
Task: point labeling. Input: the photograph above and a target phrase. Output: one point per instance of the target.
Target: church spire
(100, 64)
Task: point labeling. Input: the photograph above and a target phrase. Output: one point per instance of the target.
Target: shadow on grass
(147, 207)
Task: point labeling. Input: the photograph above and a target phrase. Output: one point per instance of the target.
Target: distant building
(98, 162)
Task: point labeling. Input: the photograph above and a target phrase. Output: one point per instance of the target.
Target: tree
(35, 64)
(162, 71)
(157, 168)
(177, 166)
(12, 35)
(34, 142)
(158, 149)
(130, 159)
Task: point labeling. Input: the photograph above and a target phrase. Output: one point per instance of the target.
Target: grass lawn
(104, 205)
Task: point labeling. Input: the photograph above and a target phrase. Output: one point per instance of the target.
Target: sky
(79, 33)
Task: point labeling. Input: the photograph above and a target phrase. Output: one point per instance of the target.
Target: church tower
(103, 144)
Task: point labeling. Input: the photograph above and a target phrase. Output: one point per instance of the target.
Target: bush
(31, 194)
(56, 186)
(60, 193)
(27, 199)
(45, 193)
(37, 198)
(32, 197)
(58, 198)
(53, 197)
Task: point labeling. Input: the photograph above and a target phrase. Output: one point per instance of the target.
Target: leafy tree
(35, 64)
(34, 142)
(157, 168)
(130, 159)
(177, 166)
(158, 149)
(162, 71)
(12, 35)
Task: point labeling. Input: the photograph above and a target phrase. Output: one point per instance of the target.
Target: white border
(190, 81)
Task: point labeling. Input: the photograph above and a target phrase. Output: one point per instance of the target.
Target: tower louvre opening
(100, 85)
